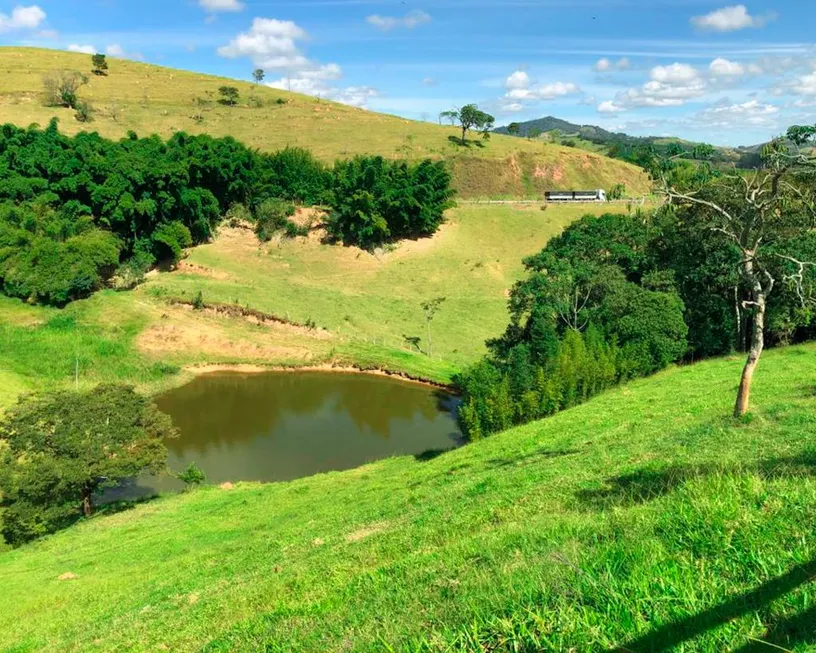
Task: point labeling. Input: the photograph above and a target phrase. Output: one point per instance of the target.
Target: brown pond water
(282, 426)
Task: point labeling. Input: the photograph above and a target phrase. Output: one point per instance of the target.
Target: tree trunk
(464, 135)
(430, 344)
(757, 345)
(87, 509)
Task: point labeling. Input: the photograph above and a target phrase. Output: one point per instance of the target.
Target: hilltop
(646, 519)
(148, 99)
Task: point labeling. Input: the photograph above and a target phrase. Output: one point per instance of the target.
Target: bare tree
(762, 214)
(61, 88)
(431, 308)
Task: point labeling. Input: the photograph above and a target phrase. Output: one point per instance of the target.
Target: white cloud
(518, 79)
(522, 91)
(409, 21)
(610, 107)
(804, 84)
(512, 107)
(221, 5)
(589, 101)
(272, 45)
(22, 18)
(724, 68)
(736, 116)
(606, 66)
(730, 19)
(84, 49)
(676, 73)
(115, 50)
(430, 81)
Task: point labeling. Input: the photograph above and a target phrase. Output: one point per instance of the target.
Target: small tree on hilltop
(514, 129)
(258, 75)
(100, 64)
(58, 450)
(534, 134)
(470, 117)
(764, 216)
(229, 95)
(431, 308)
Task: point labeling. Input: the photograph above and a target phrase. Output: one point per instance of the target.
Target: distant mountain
(615, 144)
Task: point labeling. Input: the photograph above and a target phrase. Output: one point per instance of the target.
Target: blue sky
(712, 70)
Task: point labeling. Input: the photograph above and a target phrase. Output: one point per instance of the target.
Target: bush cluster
(375, 201)
(614, 298)
(77, 212)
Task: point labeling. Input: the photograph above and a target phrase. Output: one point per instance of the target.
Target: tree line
(80, 212)
(728, 264)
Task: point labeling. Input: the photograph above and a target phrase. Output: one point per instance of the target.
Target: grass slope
(645, 519)
(365, 303)
(150, 99)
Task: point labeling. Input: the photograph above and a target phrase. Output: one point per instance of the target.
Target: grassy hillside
(149, 99)
(365, 305)
(645, 519)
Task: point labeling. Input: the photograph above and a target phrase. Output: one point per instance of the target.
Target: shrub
(170, 240)
(192, 476)
(271, 217)
(61, 88)
(84, 112)
(617, 192)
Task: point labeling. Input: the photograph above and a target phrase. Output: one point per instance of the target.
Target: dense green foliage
(614, 298)
(58, 450)
(73, 210)
(375, 200)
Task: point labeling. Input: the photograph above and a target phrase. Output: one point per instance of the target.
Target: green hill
(364, 303)
(150, 99)
(617, 144)
(646, 519)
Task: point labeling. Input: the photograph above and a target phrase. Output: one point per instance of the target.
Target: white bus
(576, 195)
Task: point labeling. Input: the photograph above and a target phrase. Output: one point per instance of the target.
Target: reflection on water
(281, 426)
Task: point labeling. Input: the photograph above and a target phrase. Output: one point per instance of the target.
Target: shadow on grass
(647, 484)
(530, 457)
(466, 143)
(793, 631)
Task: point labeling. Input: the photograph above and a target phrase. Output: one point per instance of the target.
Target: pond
(282, 426)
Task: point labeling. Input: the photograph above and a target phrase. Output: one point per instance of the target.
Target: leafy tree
(514, 129)
(470, 118)
(763, 215)
(534, 134)
(58, 450)
(229, 95)
(452, 116)
(61, 88)
(431, 308)
(617, 192)
(258, 75)
(100, 64)
(555, 135)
